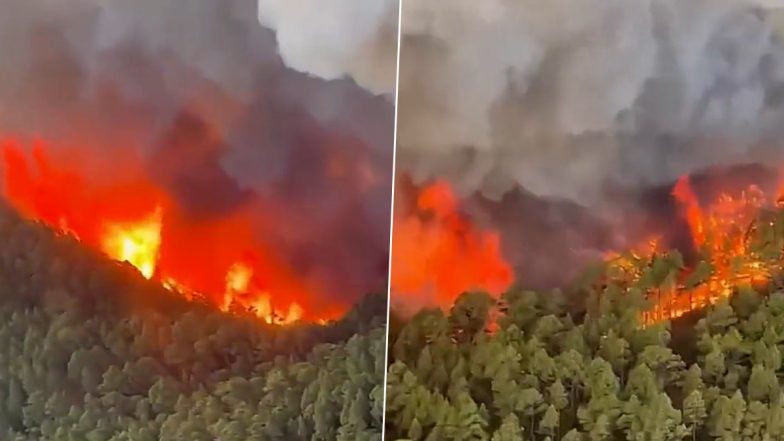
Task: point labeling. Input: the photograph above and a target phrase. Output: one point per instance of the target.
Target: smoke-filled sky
(223, 116)
(570, 99)
(566, 99)
(553, 119)
(340, 38)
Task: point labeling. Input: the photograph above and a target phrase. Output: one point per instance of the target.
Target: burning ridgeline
(735, 241)
(133, 220)
(101, 352)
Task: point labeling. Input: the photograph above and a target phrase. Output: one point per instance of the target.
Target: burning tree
(739, 242)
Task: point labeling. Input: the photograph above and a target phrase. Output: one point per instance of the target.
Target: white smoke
(568, 97)
(337, 38)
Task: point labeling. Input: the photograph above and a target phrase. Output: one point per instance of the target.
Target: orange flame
(438, 252)
(240, 292)
(132, 220)
(721, 232)
(684, 195)
(136, 243)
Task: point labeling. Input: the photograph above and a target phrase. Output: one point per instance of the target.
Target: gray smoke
(574, 98)
(337, 38)
(153, 75)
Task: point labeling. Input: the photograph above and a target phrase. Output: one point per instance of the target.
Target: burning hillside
(567, 146)
(738, 242)
(735, 235)
(198, 156)
(132, 220)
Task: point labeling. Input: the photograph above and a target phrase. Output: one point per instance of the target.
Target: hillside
(90, 350)
(648, 346)
(543, 376)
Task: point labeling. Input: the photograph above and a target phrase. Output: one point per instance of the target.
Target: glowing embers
(438, 253)
(137, 243)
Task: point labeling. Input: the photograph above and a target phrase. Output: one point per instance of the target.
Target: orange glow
(438, 253)
(237, 282)
(721, 232)
(121, 212)
(684, 195)
(239, 291)
(136, 243)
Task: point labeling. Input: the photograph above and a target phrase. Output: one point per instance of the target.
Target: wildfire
(438, 252)
(132, 220)
(722, 232)
(136, 243)
(239, 291)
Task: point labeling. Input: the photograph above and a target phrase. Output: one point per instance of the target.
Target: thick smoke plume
(338, 38)
(197, 89)
(575, 99)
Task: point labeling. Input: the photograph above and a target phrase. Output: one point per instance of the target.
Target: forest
(588, 363)
(92, 351)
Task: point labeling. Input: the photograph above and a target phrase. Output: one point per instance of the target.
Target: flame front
(240, 291)
(724, 234)
(132, 220)
(438, 252)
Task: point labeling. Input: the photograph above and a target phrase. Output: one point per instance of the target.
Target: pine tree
(510, 429)
(763, 384)
(550, 421)
(573, 435)
(694, 412)
(753, 426)
(415, 431)
(692, 380)
(556, 395)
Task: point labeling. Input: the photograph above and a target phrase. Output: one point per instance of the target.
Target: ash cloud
(200, 89)
(576, 100)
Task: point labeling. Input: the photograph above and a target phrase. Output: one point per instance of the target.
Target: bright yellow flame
(137, 243)
(262, 307)
(295, 313)
(237, 282)
(238, 278)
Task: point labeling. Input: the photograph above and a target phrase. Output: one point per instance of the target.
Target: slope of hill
(530, 366)
(90, 350)
(542, 376)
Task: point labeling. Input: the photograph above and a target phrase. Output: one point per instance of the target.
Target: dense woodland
(91, 351)
(531, 366)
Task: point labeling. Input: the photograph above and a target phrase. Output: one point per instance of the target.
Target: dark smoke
(199, 88)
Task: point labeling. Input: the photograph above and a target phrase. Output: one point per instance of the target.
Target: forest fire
(736, 247)
(132, 220)
(439, 254)
(137, 243)
(735, 235)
